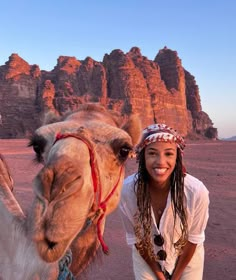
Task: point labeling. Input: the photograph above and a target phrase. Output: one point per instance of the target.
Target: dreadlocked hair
(143, 219)
(178, 200)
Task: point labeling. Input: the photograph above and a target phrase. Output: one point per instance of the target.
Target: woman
(164, 210)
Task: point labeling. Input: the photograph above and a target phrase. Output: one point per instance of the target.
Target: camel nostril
(51, 244)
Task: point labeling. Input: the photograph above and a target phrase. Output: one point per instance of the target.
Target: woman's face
(160, 159)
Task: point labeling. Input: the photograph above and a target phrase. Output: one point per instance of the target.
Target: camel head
(83, 156)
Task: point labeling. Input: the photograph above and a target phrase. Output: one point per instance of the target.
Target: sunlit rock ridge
(159, 90)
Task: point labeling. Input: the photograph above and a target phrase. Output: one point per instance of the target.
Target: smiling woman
(164, 210)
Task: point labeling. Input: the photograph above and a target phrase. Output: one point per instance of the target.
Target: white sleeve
(199, 215)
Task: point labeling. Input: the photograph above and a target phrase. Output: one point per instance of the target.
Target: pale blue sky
(203, 32)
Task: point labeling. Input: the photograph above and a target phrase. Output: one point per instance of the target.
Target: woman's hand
(183, 260)
(155, 267)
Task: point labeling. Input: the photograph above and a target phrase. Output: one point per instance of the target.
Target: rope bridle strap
(100, 206)
(64, 271)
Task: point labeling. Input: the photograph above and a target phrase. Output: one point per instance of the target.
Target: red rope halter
(101, 205)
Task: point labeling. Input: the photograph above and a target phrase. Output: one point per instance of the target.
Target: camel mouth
(51, 251)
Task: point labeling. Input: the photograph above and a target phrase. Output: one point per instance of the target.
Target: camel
(83, 155)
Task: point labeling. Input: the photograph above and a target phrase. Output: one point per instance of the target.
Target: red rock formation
(159, 91)
(16, 66)
(127, 88)
(68, 64)
(48, 94)
(18, 88)
(192, 94)
(202, 124)
(172, 73)
(92, 81)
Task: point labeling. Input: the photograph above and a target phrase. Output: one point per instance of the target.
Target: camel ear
(133, 127)
(117, 118)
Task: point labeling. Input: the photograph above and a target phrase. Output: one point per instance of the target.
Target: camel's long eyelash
(38, 143)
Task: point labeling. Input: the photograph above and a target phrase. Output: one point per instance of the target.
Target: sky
(203, 32)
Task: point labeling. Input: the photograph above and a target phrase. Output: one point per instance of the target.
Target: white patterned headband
(160, 133)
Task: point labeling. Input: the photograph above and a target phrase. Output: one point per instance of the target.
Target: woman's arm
(183, 260)
(196, 233)
(155, 267)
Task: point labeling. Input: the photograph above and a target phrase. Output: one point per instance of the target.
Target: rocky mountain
(233, 138)
(159, 90)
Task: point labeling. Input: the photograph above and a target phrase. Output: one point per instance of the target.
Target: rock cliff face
(159, 91)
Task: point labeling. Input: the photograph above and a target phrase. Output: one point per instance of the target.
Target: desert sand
(214, 163)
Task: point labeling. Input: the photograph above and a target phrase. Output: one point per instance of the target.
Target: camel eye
(121, 148)
(37, 149)
(124, 152)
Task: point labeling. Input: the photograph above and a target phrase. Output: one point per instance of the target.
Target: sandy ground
(212, 162)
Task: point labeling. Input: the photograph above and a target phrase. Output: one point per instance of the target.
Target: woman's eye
(151, 154)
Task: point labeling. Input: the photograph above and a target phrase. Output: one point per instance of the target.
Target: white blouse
(197, 197)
